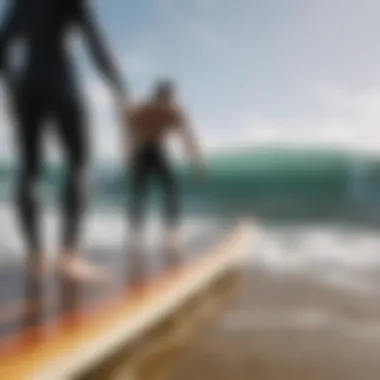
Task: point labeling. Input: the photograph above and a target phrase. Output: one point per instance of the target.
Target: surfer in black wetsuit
(149, 125)
(46, 86)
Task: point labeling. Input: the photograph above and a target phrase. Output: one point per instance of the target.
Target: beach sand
(286, 326)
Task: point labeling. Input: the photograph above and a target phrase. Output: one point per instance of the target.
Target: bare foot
(78, 269)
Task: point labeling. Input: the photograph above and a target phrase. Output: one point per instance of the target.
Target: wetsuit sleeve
(98, 47)
(9, 28)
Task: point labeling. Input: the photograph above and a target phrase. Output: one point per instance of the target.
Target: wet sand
(286, 326)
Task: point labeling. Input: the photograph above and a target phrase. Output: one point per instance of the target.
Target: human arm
(129, 137)
(192, 146)
(10, 28)
(101, 55)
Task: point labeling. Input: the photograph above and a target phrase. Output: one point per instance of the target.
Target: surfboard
(55, 329)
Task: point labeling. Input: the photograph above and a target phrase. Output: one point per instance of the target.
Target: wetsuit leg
(139, 177)
(71, 123)
(169, 185)
(28, 128)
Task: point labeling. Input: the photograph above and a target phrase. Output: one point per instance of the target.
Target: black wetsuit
(46, 87)
(150, 162)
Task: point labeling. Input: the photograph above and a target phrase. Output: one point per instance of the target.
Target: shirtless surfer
(149, 126)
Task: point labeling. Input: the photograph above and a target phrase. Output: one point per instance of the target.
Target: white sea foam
(100, 229)
(338, 257)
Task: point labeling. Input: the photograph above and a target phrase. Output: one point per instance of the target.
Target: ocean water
(313, 270)
(106, 230)
(338, 256)
(307, 308)
(270, 184)
(319, 211)
(277, 186)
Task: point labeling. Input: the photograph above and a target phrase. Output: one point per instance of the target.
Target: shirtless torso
(149, 126)
(151, 123)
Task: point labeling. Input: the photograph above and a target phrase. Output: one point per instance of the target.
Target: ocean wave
(338, 257)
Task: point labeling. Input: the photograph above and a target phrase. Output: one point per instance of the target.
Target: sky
(249, 72)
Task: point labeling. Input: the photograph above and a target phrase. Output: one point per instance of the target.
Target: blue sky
(249, 71)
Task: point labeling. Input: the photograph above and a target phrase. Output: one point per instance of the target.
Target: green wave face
(274, 183)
